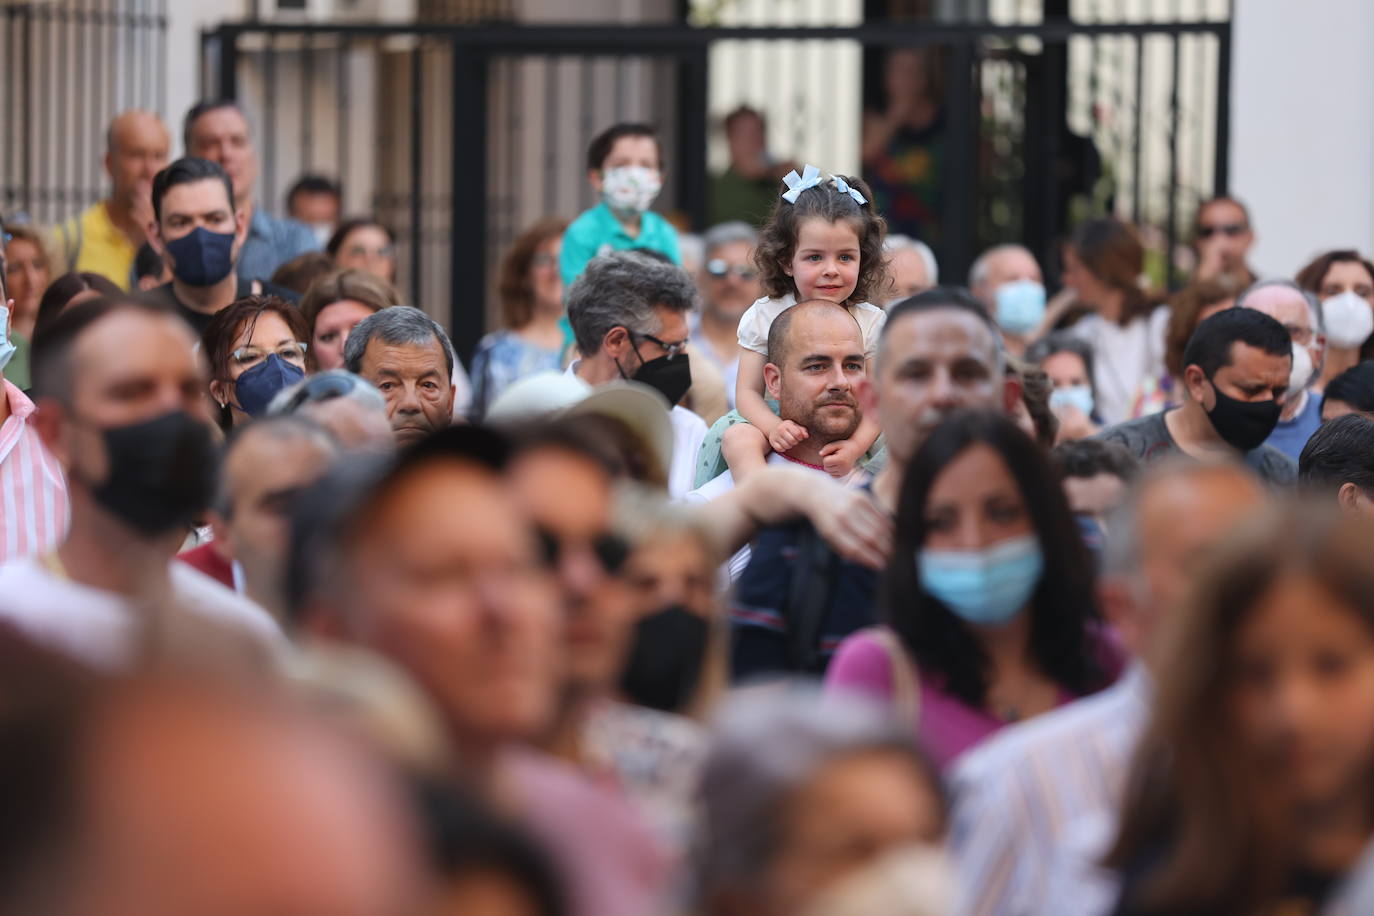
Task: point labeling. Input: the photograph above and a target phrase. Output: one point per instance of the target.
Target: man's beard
(826, 427)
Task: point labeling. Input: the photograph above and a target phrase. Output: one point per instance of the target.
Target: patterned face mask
(630, 189)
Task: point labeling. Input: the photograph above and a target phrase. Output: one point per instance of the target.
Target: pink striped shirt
(33, 492)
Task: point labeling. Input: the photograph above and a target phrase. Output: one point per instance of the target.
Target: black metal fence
(459, 136)
(66, 68)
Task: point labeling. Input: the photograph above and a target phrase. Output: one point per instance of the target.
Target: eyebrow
(384, 370)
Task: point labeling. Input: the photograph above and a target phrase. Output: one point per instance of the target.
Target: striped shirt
(33, 492)
(1018, 796)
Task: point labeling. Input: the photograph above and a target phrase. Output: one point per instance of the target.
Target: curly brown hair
(513, 286)
(778, 240)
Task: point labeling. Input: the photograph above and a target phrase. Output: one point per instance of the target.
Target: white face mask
(1347, 320)
(630, 189)
(1301, 376)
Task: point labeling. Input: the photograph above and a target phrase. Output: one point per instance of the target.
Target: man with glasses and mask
(121, 405)
(629, 316)
(200, 233)
(1222, 239)
(33, 493)
(729, 284)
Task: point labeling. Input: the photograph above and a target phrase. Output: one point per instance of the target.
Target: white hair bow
(843, 187)
(809, 178)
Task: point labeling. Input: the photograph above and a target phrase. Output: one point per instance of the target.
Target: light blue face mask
(1020, 306)
(7, 348)
(1080, 396)
(987, 587)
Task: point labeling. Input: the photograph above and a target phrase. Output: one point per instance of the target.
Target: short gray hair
(765, 746)
(401, 324)
(280, 429)
(620, 290)
(722, 234)
(1314, 305)
(978, 273)
(895, 243)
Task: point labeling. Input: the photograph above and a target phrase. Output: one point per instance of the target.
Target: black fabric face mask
(670, 376)
(162, 472)
(666, 657)
(1243, 425)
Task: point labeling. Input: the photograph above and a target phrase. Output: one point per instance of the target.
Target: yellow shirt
(91, 242)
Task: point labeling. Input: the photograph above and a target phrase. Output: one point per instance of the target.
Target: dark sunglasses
(718, 268)
(1232, 230)
(611, 550)
(320, 388)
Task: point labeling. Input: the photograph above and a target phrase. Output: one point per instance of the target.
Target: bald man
(1032, 804)
(105, 238)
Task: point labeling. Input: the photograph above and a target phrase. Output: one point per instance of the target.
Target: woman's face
(26, 277)
(545, 279)
(975, 503)
(268, 334)
(333, 324)
(1087, 288)
(1347, 276)
(1302, 695)
(1066, 369)
(672, 570)
(853, 811)
(368, 248)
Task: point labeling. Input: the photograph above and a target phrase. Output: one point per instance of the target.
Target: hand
(1213, 260)
(852, 524)
(839, 458)
(786, 436)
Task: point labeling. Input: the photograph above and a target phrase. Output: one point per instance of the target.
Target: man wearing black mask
(1235, 378)
(199, 234)
(628, 311)
(121, 405)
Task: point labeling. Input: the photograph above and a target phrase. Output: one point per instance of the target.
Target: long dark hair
(1062, 607)
(1204, 827)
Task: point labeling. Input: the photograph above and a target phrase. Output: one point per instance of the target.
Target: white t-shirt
(689, 431)
(1127, 364)
(100, 628)
(754, 324)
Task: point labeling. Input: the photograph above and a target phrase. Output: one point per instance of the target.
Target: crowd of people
(785, 581)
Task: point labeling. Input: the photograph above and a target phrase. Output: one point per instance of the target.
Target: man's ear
(1351, 498)
(48, 420)
(105, 160)
(241, 226)
(223, 540)
(617, 342)
(772, 380)
(1011, 394)
(1195, 380)
(153, 231)
(1118, 608)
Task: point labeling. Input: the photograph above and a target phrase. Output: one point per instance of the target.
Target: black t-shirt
(199, 321)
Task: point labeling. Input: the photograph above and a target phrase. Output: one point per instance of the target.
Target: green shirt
(597, 231)
(748, 199)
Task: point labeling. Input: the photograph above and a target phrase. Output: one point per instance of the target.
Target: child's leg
(745, 449)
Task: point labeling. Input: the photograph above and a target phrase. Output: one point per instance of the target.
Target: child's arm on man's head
(749, 393)
(839, 458)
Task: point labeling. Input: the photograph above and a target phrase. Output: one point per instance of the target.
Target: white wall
(1302, 127)
(184, 23)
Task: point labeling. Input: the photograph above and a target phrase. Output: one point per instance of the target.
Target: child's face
(640, 151)
(826, 262)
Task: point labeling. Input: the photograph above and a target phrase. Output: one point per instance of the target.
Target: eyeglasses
(672, 349)
(248, 357)
(611, 550)
(720, 269)
(360, 252)
(1231, 230)
(320, 388)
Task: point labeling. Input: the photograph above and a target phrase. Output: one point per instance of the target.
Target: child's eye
(846, 257)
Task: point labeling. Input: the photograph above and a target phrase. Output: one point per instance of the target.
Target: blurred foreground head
(162, 795)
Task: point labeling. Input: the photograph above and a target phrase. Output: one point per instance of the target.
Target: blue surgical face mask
(1080, 396)
(202, 257)
(987, 587)
(256, 388)
(7, 347)
(1020, 306)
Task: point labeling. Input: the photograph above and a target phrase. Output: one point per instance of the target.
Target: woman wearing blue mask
(988, 596)
(1068, 361)
(256, 347)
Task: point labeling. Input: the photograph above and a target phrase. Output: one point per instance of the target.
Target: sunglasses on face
(720, 269)
(610, 550)
(1230, 230)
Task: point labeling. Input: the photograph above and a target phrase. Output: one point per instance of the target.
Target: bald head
(806, 319)
(137, 147)
(188, 798)
(1174, 516)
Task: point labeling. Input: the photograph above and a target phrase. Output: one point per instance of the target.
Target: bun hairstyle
(778, 240)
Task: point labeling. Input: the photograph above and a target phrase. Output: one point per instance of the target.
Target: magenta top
(945, 725)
